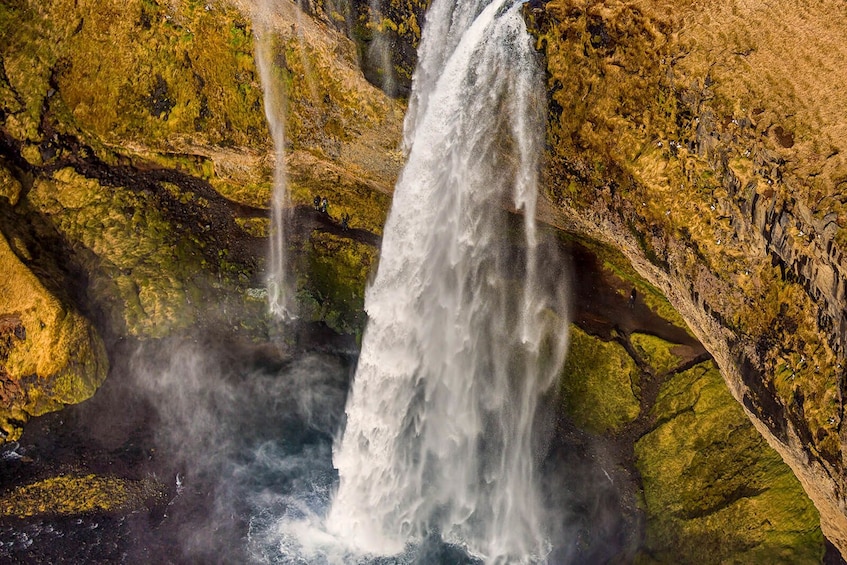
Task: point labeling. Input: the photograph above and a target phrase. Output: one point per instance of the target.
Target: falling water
(380, 48)
(461, 341)
(280, 287)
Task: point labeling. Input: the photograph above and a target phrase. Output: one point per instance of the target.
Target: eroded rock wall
(704, 141)
(50, 355)
(137, 167)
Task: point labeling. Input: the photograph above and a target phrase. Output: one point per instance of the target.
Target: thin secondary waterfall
(280, 287)
(462, 341)
(380, 48)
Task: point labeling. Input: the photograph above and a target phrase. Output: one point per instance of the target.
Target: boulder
(50, 355)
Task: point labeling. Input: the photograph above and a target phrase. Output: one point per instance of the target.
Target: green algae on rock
(386, 36)
(143, 172)
(10, 187)
(599, 383)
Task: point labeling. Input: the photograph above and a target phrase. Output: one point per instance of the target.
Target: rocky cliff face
(50, 355)
(386, 34)
(682, 475)
(136, 170)
(704, 141)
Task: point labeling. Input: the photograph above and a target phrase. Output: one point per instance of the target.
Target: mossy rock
(70, 495)
(386, 36)
(598, 383)
(332, 289)
(346, 194)
(50, 355)
(715, 491)
(141, 268)
(10, 187)
(656, 352)
(156, 78)
(179, 87)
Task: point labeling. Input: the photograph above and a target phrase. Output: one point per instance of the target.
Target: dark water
(241, 450)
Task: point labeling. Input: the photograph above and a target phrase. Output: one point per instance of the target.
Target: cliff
(136, 174)
(677, 472)
(704, 141)
(50, 355)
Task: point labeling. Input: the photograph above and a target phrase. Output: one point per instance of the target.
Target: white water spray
(460, 343)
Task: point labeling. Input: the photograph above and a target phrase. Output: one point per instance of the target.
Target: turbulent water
(461, 342)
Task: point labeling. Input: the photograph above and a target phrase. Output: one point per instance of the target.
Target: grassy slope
(713, 490)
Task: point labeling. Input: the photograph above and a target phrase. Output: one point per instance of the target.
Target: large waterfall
(462, 340)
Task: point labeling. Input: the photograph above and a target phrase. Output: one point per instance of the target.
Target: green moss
(656, 352)
(333, 285)
(10, 188)
(366, 207)
(74, 495)
(53, 358)
(254, 191)
(394, 24)
(255, 227)
(141, 268)
(715, 491)
(598, 383)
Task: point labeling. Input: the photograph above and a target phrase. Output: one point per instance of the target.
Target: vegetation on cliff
(711, 490)
(600, 384)
(49, 354)
(134, 183)
(386, 35)
(700, 141)
(75, 494)
(143, 172)
(714, 490)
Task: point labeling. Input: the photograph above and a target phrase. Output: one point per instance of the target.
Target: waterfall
(379, 49)
(462, 339)
(279, 283)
